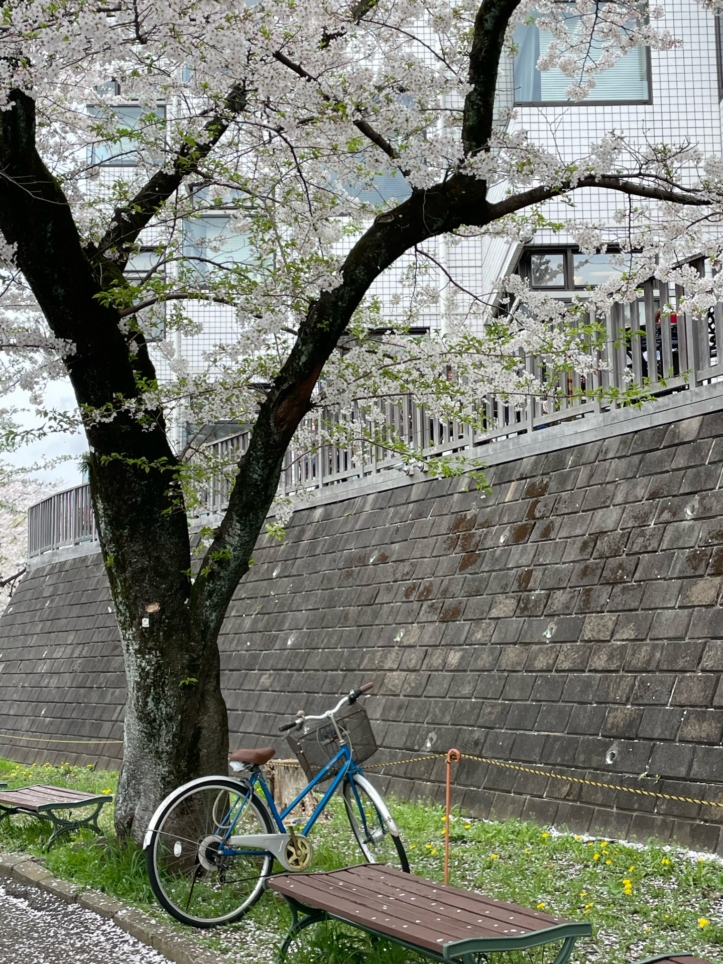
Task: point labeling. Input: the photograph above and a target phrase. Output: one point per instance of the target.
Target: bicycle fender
(378, 802)
(172, 797)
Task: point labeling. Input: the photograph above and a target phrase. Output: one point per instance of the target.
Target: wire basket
(318, 743)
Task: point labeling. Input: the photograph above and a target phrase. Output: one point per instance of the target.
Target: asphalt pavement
(38, 928)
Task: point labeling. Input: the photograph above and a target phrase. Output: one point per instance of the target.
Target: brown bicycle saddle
(258, 757)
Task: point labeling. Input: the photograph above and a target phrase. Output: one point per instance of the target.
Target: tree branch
(537, 195)
(129, 220)
(484, 61)
(361, 125)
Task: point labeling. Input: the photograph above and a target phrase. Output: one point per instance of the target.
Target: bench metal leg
(62, 825)
(298, 924)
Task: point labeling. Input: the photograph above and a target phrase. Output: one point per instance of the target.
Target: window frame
(524, 266)
(718, 31)
(587, 102)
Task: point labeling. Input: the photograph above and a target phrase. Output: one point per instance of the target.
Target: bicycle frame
(233, 844)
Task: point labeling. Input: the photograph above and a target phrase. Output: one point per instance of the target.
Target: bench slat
(421, 931)
(41, 797)
(419, 912)
(475, 913)
(454, 898)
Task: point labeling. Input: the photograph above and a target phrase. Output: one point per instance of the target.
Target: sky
(59, 395)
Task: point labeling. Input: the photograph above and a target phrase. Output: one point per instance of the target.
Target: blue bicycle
(212, 843)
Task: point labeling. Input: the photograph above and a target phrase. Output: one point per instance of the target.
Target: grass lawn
(641, 901)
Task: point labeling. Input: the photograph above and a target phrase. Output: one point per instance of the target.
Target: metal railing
(667, 355)
(64, 519)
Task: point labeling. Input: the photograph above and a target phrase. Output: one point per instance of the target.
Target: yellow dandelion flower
(596, 856)
(608, 861)
(578, 837)
(107, 791)
(433, 851)
(604, 844)
(467, 826)
(540, 906)
(545, 834)
(495, 856)
(665, 862)
(631, 868)
(703, 922)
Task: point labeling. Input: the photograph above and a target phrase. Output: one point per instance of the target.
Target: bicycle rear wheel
(199, 879)
(371, 825)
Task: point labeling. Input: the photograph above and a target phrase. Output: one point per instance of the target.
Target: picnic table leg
(298, 924)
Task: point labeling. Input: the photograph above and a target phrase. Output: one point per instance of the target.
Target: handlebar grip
(288, 726)
(355, 694)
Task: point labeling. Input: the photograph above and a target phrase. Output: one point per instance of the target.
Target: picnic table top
(41, 797)
(422, 912)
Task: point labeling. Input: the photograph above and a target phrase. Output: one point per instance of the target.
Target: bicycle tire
(369, 821)
(191, 880)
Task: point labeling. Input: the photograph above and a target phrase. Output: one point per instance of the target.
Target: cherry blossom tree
(286, 117)
(18, 491)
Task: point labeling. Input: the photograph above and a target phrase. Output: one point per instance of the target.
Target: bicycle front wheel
(196, 876)
(370, 819)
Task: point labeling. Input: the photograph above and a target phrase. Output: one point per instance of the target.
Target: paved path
(38, 928)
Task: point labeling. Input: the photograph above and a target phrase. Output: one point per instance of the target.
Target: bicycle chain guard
(298, 852)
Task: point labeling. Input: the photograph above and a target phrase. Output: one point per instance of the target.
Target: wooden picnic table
(59, 805)
(445, 923)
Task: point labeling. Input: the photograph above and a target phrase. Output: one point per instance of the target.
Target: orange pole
(453, 756)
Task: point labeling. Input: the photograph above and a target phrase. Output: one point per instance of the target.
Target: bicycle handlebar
(349, 698)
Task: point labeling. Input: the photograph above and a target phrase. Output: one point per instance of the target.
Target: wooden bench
(442, 922)
(56, 804)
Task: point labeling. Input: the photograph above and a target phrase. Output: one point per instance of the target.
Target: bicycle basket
(317, 743)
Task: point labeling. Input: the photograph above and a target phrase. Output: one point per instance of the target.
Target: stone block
(702, 726)
(700, 592)
(660, 723)
(608, 657)
(573, 657)
(614, 689)
(101, 904)
(542, 659)
(653, 689)
(562, 602)
(646, 540)
(586, 720)
(598, 626)
(622, 721)
(137, 924)
(670, 624)
(30, 872)
(707, 764)
(671, 760)
(712, 659)
(610, 544)
(60, 888)
(9, 861)
(695, 690)
(682, 656)
(631, 625)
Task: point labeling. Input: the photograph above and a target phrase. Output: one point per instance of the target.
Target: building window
(719, 51)
(564, 269)
(627, 81)
(210, 242)
(384, 187)
(133, 125)
(141, 265)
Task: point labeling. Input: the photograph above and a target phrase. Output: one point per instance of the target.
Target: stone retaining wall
(571, 620)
